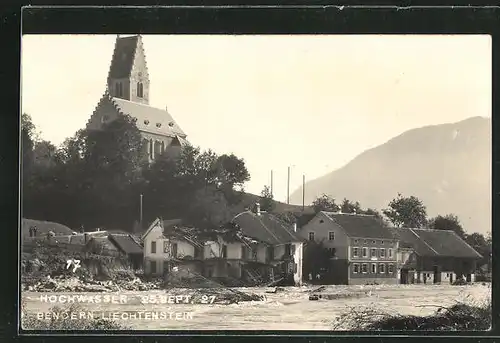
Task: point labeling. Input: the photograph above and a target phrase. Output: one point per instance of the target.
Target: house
(116, 244)
(435, 256)
(127, 93)
(263, 248)
(362, 249)
(167, 245)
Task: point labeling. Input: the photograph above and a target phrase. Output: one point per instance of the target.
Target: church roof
(150, 119)
(123, 57)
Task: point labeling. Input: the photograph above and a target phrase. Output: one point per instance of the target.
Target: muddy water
(290, 309)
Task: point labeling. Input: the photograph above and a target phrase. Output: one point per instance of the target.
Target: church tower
(128, 76)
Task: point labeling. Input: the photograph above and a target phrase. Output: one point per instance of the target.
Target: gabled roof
(360, 225)
(156, 222)
(123, 57)
(147, 118)
(266, 228)
(432, 243)
(126, 244)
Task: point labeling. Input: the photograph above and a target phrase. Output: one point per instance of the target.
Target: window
(373, 252)
(224, 251)
(374, 268)
(311, 236)
(390, 269)
(151, 149)
(118, 89)
(355, 241)
(295, 268)
(364, 268)
(355, 252)
(355, 268)
(331, 251)
(321, 221)
(153, 247)
(381, 268)
(382, 242)
(166, 246)
(373, 242)
(292, 249)
(104, 118)
(390, 253)
(331, 236)
(140, 90)
(174, 250)
(254, 254)
(158, 125)
(288, 249)
(382, 252)
(146, 122)
(270, 253)
(153, 267)
(198, 252)
(365, 252)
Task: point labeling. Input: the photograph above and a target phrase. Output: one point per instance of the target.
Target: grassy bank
(458, 317)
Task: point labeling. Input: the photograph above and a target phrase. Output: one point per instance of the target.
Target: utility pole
(303, 191)
(271, 182)
(140, 212)
(288, 188)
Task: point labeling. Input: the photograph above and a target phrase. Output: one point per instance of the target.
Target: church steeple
(128, 76)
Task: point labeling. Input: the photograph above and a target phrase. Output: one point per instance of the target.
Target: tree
(349, 207)
(482, 245)
(209, 210)
(448, 222)
(266, 200)
(325, 203)
(407, 212)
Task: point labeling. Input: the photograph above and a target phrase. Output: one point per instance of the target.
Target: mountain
(447, 166)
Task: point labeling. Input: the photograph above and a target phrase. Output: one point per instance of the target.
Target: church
(127, 93)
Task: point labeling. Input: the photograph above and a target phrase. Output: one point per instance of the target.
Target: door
(152, 267)
(437, 274)
(404, 276)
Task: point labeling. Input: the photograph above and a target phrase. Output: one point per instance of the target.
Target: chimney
(295, 227)
(257, 209)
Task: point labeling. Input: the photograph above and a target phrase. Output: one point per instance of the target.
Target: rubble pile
(77, 284)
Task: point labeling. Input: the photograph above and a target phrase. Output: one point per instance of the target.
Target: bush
(459, 317)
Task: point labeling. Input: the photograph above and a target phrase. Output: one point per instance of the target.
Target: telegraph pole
(303, 191)
(140, 212)
(288, 188)
(271, 182)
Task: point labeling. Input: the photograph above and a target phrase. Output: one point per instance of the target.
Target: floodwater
(290, 309)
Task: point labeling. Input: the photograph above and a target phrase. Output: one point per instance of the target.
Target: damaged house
(116, 244)
(262, 249)
(167, 245)
(434, 256)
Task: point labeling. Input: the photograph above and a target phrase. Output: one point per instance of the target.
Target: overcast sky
(310, 102)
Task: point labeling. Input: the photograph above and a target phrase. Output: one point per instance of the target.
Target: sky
(309, 102)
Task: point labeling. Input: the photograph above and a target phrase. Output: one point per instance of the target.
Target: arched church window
(119, 89)
(140, 90)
